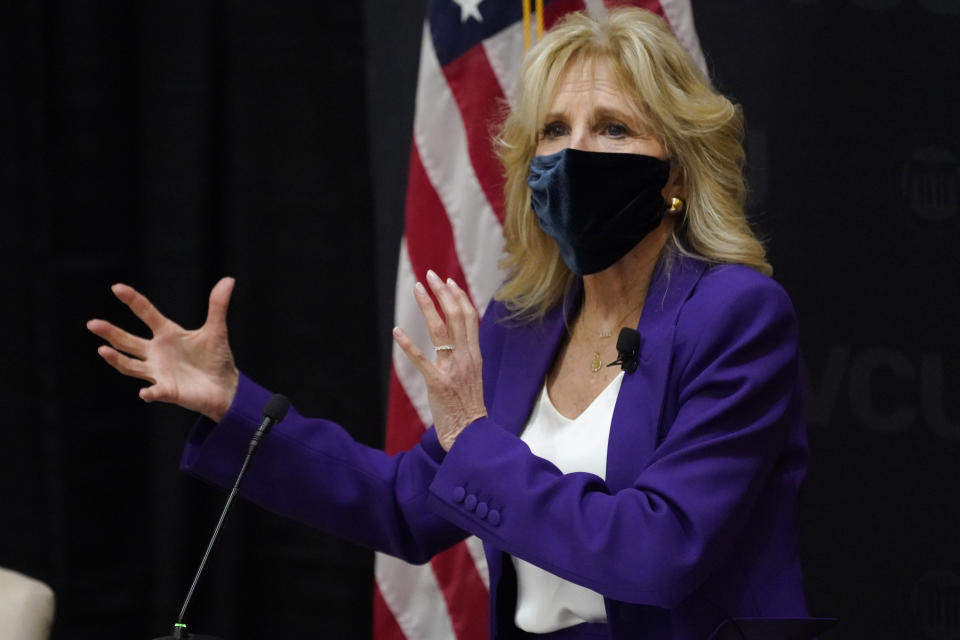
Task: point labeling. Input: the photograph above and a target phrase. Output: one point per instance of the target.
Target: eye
(553, 130)
(615, 130)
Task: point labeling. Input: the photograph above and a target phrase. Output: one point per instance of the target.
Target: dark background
(166, 144)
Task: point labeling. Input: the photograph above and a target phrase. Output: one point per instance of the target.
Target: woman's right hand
(193, 369)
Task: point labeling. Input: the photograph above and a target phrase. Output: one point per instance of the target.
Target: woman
(652, 504)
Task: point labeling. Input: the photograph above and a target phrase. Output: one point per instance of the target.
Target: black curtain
(166, 144)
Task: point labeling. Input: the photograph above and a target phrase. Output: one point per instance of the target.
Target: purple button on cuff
(470, 502)
(494, 517)
(458, 494)
(482, 509)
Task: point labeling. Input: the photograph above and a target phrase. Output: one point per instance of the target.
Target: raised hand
(193, 369)
(454, 383)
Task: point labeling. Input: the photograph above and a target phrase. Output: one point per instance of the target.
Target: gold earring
(676, 206)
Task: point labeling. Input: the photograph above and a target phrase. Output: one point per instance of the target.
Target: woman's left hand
(454, 383)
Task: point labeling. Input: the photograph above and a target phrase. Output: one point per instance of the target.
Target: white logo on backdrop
(863, 374)
(935, 605)
(931, 184)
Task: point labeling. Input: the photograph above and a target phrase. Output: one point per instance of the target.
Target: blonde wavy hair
(701, 131)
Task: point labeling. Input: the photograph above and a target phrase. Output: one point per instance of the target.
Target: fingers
(135, 369)
(120, 339)
(416, 355)
(154, 393)
(219, 301)
(458, 327)
(124, 364)
(462, 318)
(471, 319)
(450, 305)
(140, 306)
(435, 325)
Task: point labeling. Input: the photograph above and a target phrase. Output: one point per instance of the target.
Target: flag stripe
(465, 594)
(481, 102)
(428, 230)
(475, 547)
(385, 626)
(650, 5)
(412, 594)
(404, 426)
(442, 144)
(554, 12)
(504, 53)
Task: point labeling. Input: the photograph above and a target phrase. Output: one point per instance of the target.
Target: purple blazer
(695, 523)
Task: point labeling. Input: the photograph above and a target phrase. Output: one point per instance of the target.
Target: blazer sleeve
(313, 471)
(736, 374)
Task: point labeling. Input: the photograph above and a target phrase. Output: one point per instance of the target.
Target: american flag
(469, 62)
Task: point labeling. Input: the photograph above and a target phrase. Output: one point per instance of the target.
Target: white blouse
(546, 602)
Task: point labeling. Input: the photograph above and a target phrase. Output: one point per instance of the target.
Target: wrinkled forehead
(586, 70)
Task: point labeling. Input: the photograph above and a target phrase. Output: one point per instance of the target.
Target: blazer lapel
(528, 352)
(634, 430)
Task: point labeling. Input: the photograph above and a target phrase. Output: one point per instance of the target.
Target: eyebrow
(609, 113)
(604, 113)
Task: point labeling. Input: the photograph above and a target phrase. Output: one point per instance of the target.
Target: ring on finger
(444, 347)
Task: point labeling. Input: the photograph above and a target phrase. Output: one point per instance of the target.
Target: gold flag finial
(538, 10)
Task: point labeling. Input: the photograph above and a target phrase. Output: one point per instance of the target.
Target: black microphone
(628, 348)
(273, 412)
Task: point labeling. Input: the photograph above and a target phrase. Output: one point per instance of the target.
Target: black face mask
(597, 206)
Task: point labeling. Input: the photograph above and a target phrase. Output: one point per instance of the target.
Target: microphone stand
(274, 412)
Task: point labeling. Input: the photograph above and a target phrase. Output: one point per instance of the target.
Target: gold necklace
(596, 362)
